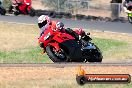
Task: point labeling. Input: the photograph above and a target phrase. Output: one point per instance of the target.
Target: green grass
(26, 55)
(23, 48)
(107, 44)
(33, 54)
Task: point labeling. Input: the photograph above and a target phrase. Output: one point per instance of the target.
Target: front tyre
(96, 55)
(16, 13)
(56, 56)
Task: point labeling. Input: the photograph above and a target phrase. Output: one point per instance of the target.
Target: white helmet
(43, 20)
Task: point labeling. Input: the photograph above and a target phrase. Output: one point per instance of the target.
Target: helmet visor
(42, 24)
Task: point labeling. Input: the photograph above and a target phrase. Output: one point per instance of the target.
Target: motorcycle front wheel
(56, 56)
(96, 55)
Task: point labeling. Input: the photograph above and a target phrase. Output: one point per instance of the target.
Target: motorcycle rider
(17, 2)
(44, 22)
(77, 33)
(15, 5)
(127, 5)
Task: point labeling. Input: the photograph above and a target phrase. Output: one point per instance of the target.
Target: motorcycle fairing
(61, 37)
(73, 49)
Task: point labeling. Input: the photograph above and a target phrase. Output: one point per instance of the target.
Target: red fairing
(79, 31)
(21, 1)
(25, 4)
(27, 1)
(51, 37)
(22, 8)
(29, 8)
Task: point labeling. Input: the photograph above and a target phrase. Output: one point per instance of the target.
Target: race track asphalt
(92, 25)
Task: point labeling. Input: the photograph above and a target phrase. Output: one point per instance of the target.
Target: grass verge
(19, 45)
(33, 54)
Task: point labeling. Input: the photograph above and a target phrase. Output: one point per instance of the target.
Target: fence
(85, 7)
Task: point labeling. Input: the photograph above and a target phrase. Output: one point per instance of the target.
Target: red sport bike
(22, 8)
(62, 47)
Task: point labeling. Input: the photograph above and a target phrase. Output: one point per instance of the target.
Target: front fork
(55, 45)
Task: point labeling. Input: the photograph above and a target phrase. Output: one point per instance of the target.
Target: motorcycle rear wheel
(32, 12)
(50, 52)
(2, 11)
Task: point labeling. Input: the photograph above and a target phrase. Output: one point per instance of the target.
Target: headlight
(47, 36)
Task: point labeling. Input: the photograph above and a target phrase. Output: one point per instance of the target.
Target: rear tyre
(56, 57)
(2, 11)
(32, 12)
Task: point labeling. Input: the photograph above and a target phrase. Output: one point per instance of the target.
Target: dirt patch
(45, 77)
(17, 36)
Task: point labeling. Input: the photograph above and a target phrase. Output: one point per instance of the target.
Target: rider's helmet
(43, 20)
(59, 26)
